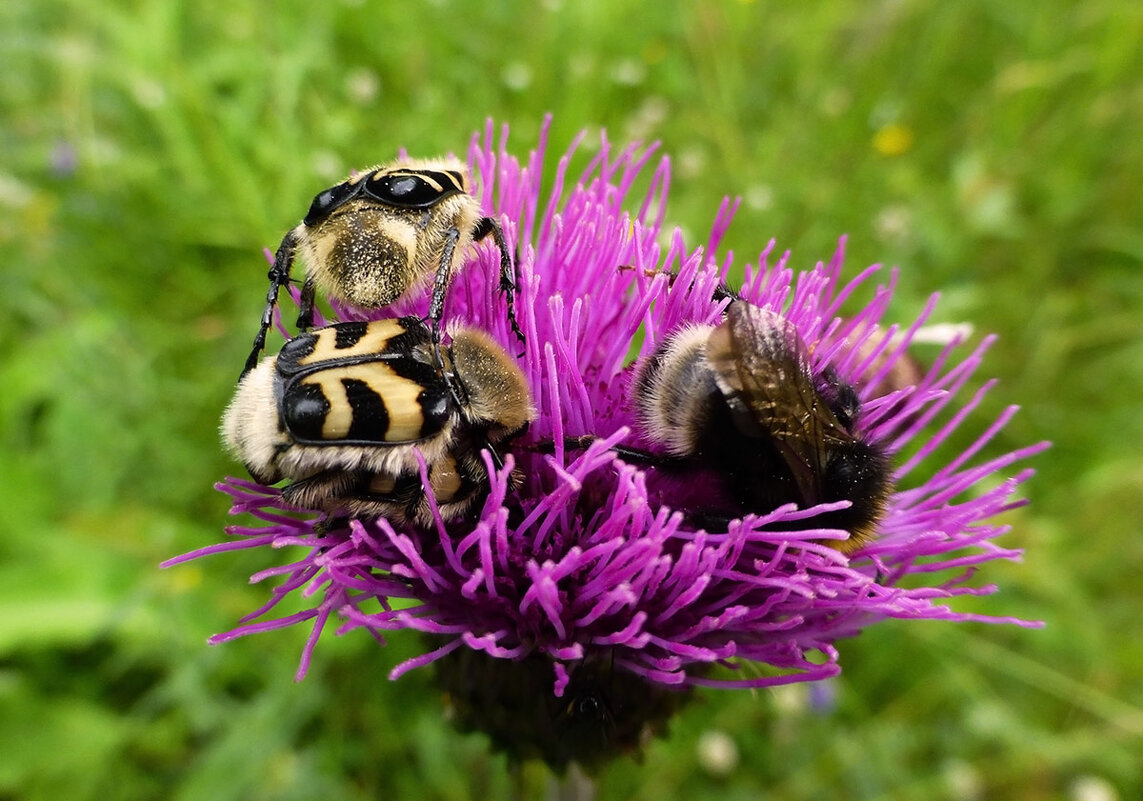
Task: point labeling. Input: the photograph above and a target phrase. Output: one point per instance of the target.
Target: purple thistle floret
(579, 562)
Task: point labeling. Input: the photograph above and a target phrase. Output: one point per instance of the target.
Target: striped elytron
(341, 412)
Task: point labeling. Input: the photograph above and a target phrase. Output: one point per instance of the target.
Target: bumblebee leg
(472, 480)
(646, 458)
(320, 491)
(279, 276)
(497, 462)
(486, 226)
(629, 455)
(570, 444)
(330, 523)
(723, 291)
(306, 305)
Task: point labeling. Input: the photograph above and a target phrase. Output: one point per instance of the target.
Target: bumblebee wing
(762, 368)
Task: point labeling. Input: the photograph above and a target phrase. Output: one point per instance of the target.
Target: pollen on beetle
(589, 592)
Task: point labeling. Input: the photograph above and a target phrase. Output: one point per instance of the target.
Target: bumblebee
(739, 402)
(383, 235)
(341, 411)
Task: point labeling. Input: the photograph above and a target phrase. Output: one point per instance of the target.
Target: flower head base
(579, 565)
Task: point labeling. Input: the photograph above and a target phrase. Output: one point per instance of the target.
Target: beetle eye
(325, 202)
(404, 190)
(408, 189)
(403, 186)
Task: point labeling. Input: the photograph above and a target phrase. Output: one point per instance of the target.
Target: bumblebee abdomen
(862, 474)
(675, 392)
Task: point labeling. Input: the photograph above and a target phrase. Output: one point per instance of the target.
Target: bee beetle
(383, 235)
(739, 401)
(342, 410)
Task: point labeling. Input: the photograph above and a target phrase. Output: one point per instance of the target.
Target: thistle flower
(572, 614)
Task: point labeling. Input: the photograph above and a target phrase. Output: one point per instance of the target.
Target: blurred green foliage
(151, 148)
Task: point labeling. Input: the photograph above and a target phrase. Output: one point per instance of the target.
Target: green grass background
(150, 149)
